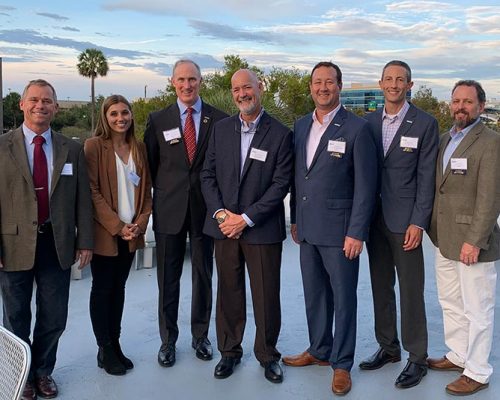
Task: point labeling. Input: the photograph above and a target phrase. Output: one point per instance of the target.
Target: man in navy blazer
(246, 175)
(179, 209)
(407, 144)
(332, 204)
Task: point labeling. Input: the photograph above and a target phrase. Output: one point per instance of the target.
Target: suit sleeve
(260, 210)
(293, 198)
(487, 204)
(365, 184)
(84, 220)
(208, 177)
(152, 148)
(426, 176)
(143, 214)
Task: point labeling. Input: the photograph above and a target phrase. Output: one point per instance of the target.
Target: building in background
(364, 97)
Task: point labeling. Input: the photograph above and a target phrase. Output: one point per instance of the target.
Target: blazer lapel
(18, 152)
(303, 145)
(262, 129)
(406, 124)
(60, 155)
(205, 123)
(236, 146)
(331, 133)
(377, 132)
(442, 145)
(109, 160)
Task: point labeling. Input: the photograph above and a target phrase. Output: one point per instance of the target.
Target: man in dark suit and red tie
(247, 174)
(331, 209)
(407, 143)
(176, 138)
(46, 223)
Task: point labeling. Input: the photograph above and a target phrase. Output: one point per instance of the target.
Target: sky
(442, 41)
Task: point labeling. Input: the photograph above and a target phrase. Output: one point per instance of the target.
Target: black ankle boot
(108, 359)
(127, 362)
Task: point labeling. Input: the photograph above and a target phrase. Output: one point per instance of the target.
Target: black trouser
(52, 292)
(107, 296)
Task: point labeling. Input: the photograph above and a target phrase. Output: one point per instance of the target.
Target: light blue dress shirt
(29, 135)
(456, 139)
(196, 115)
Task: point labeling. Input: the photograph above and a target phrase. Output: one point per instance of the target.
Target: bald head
(247, 89)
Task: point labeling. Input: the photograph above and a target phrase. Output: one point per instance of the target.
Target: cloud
(70, 29)
(57, 17)
(159, 68)
(7, 8)
(421, 7)
(31, 37)
(5, 14)
(484, 20)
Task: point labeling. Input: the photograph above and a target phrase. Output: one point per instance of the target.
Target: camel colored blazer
(101, 164)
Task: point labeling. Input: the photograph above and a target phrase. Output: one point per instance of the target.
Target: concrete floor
(79, 378)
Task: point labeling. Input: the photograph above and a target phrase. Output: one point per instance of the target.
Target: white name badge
(67, 169)
(409, 142)
(259, 155)
(172, 134)
(134, 178)
(336, 146)
(458, 163)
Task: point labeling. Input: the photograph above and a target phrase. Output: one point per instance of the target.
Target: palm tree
(91, 64)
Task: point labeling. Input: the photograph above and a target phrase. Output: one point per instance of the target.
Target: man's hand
(469, 254)
(293, 232)
(84, 256)
(233, 225)
(413, 237)
(352, 247)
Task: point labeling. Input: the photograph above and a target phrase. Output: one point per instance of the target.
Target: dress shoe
(166, 355)
(411, 375)
(203, 348)
(108, 359)
(303, 359)
(273, 371)
(29, 391)
(341, 383)
(464, 386)
(46, 387)
(127, 362)
(378, 360)
(225, 367)
(443, 364)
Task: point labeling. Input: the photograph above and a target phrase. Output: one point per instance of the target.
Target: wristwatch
(221, 217)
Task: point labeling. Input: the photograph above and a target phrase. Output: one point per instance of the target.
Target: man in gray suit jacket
(407, 141)
(465, 232)
(45, 225)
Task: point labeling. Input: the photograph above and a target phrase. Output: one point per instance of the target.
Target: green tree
(12, 114)
(424, 100)
(91, 64)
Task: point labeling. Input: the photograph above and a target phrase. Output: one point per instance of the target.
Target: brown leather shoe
(29, 392)
(443, 364)
(46, 387)
(464, 386)
(303, 359)
(341, 383)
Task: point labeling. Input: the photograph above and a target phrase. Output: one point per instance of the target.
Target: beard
(463, 121)
(249, 107)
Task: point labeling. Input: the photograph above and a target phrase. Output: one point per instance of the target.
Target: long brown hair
(103, 129)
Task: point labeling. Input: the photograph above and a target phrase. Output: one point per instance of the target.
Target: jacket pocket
(463, 219)
(339, 203)
(8, 229)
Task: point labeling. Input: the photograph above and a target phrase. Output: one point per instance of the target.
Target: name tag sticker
(409, 142)
(134, 178)
(67, 169)
(259, 155)
(336, 146)
(172, 134)
(458, 166)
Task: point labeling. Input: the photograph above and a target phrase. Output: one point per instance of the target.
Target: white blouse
(126, 188)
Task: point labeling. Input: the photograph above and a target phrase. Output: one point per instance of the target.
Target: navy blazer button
(307, 178)
(304, 198)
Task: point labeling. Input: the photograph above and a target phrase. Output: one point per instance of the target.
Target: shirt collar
(30, 135)
(401, 113)
(251, 127)
(196, 106)
(327, 118)
(462, 132)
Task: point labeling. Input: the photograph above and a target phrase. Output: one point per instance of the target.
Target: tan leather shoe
(303, 359)
(341, 383)
(443, 364)
(464, 386)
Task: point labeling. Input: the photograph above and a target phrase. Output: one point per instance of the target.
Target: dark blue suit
(332, 199)
(406, 192)
(257, 191)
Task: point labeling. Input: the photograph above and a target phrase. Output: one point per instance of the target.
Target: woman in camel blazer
(121, 193)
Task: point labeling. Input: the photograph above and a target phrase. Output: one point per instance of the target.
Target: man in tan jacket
(465, 231)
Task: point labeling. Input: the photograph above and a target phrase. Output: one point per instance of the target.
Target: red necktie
(41, 179)
(190, 135)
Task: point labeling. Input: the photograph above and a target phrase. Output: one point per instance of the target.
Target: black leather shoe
(411, 375)
(379, 359)
(166, 355)
(225, 367)
(203, 348)
(273, 371)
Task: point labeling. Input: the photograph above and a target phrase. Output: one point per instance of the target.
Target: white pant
(467, 297)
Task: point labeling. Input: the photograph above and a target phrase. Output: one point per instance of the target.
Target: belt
(45, 228)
